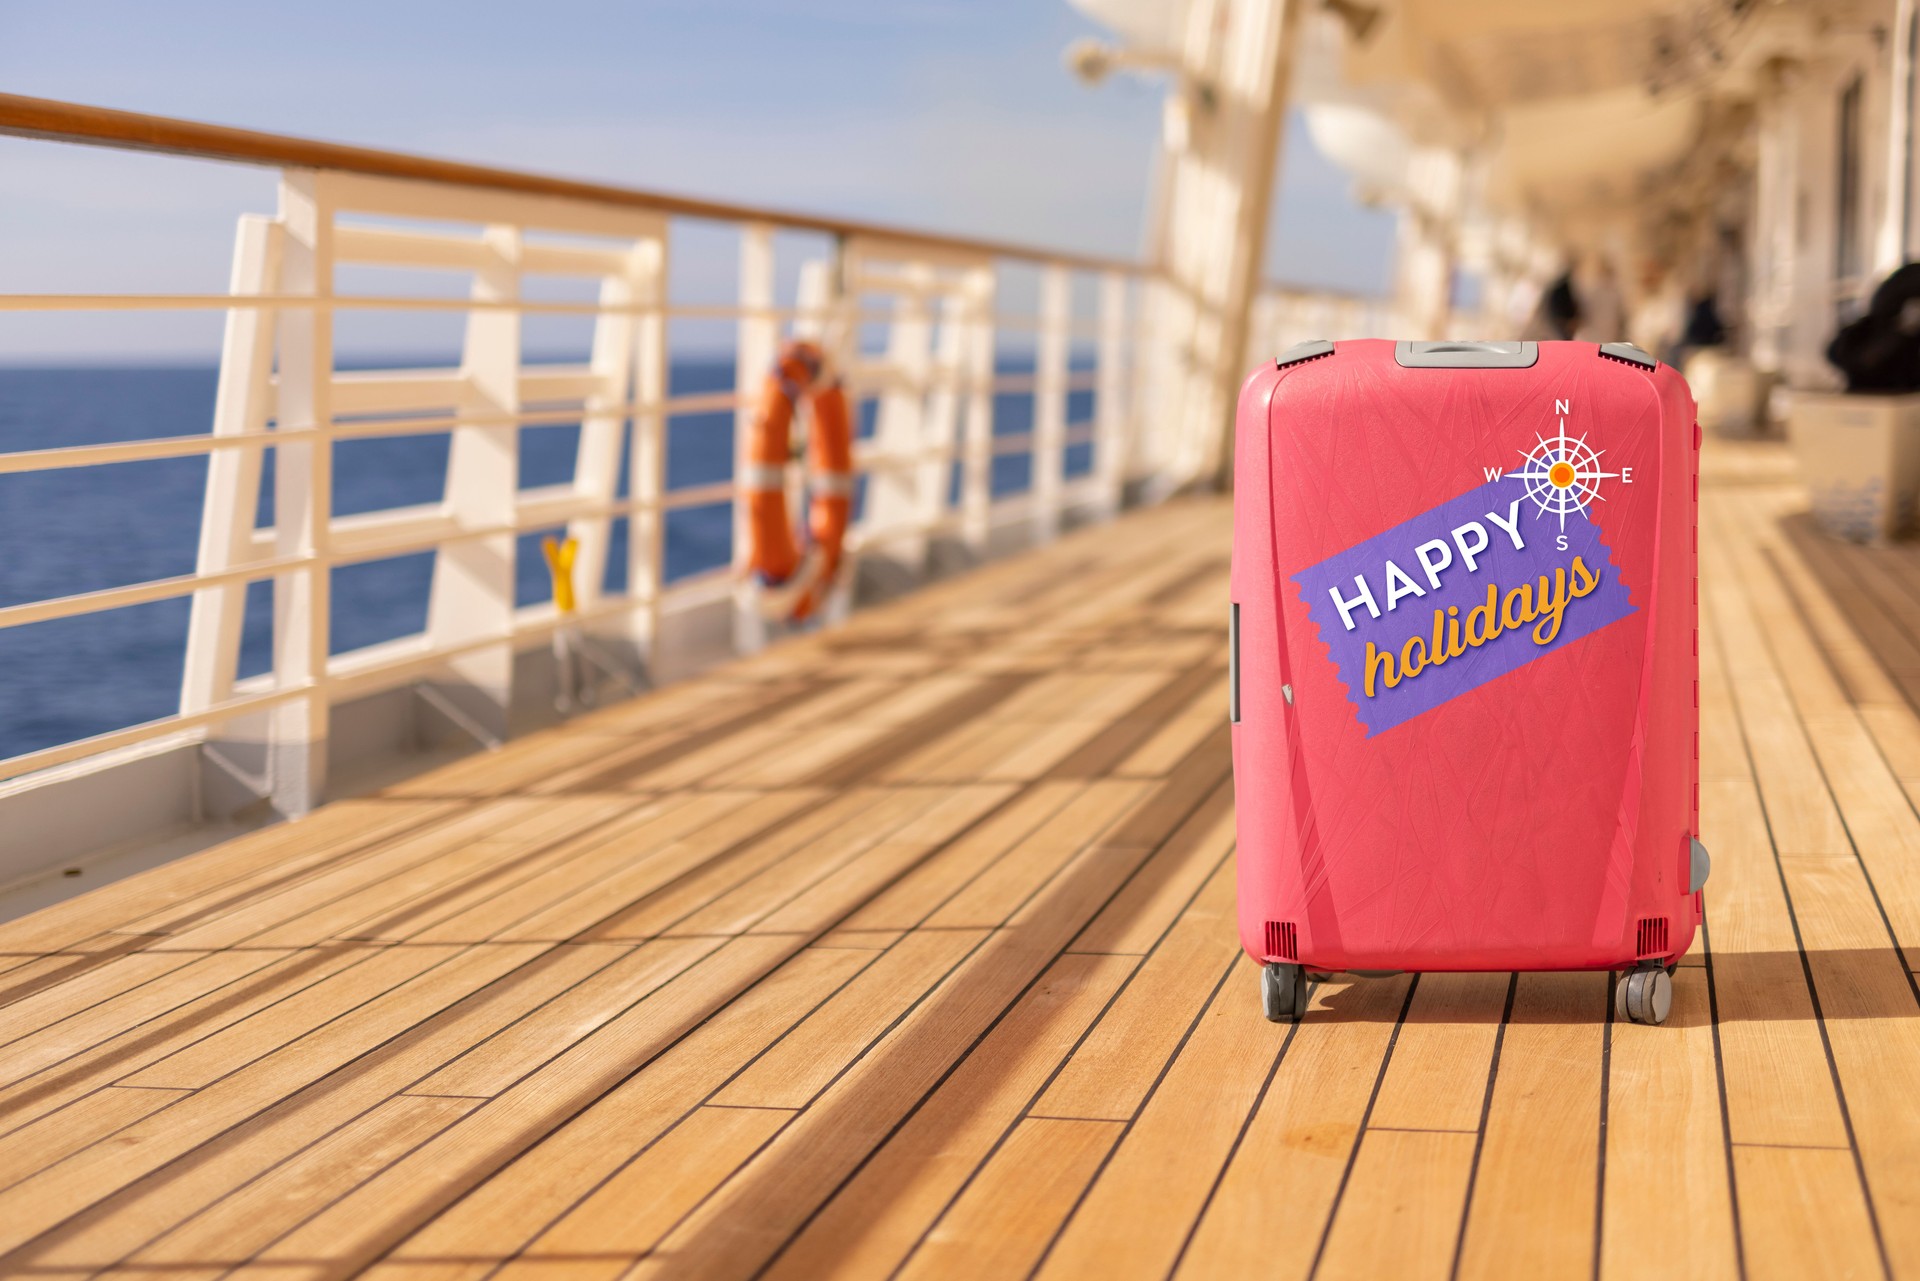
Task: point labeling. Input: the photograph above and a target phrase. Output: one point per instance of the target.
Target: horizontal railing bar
(870, 536)
(135, 451)
(720, 491)
(128, 130)
(398, 302)
(142, 593)
(48, 757)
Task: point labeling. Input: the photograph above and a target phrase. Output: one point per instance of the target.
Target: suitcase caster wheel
(1283, 992)
(1643, 996)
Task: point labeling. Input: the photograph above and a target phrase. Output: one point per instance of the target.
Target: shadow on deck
(911, 949)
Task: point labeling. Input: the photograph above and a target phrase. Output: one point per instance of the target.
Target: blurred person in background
(1603, 312)
(1558, 315)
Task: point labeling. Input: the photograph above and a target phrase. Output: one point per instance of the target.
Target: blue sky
(940, 114)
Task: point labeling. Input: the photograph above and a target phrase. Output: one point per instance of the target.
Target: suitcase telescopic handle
(1466, 355)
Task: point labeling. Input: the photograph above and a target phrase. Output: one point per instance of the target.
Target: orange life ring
(794, 581)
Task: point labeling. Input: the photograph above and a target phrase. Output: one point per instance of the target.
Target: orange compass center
(1561, 475)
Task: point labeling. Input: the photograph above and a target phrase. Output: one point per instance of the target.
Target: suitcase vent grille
(1653, 937)
(1281, 942)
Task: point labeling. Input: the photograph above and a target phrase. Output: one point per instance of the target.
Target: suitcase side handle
(1466, 355)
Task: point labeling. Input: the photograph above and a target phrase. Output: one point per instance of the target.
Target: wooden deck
(910, 950)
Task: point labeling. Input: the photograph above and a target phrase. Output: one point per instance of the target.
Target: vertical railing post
(945, 379)
(895, 498)
(1110, 409)
(976, 470)
(303, 500)
(472, 598)
(240, 405)
(1050, 401)
(596, 469)
(647, 458)
(758, 337)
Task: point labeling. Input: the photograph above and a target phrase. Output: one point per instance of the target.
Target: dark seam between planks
(1799, 943)
(341, 1075)
(1100, 754)
(1873, 889)
(1360, 1132)
(1720, 1085)
(963, 709)
(1233, 1149)
(191, 1158)
(120, 1054)
(630, 771)
(1053, 1073)
(1099, 1170)
(1480, 1133)
(84, 961)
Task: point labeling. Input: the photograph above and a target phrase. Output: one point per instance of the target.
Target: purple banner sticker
(1462, 593)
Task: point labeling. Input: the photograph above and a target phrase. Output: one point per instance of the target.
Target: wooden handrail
(134, 131)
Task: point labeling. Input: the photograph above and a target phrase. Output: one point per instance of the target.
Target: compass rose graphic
(1562, 475)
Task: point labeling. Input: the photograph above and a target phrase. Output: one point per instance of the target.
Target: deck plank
(1137, 1216)
(876, 1220)
(1534, 1189)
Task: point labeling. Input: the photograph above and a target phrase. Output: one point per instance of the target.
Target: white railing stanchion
(1111, 439)
(941, 445)
(755, 346)
(896, 499)
(240, 408)
(647, 457)
(603, 429)
(303, 500)
(976, 469)
(472, 597)
(1050, 400)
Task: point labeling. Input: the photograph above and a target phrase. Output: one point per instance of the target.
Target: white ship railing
(933, 303)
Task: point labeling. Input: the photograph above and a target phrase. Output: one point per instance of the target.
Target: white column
(1893, 238)
(1223, 135)
(1770, 296)
(303, 500)
(1811, 311)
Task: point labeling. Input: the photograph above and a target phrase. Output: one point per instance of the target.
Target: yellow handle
(560, 562)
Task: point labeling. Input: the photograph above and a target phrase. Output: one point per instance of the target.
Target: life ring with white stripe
(794, 581)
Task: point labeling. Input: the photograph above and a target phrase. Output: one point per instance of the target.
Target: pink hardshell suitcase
(1465, 682)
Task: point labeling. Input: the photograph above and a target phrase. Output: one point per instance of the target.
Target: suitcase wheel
(1283, 991)
(1644, 996)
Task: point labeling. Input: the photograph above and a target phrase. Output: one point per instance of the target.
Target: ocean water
(84, 529)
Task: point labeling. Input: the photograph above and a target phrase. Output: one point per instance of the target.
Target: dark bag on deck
(1880, 352)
